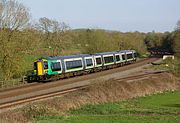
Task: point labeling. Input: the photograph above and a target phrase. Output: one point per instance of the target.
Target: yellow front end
(40, 69)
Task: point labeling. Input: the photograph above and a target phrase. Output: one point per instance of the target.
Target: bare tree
(177, 25)
(14, 17)
(51, 25)
(53, 33)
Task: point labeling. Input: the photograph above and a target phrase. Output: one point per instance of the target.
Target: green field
(159, 108)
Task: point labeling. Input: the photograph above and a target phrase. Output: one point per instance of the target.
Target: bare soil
(102, 91)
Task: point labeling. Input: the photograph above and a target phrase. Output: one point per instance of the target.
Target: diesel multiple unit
(66, 66)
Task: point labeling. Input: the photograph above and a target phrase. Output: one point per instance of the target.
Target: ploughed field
(158, 108)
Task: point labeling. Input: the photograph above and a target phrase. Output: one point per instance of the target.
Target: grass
(159, 108)
(170, 65)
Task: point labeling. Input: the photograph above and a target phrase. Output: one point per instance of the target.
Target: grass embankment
(159, 108)
(101, 92)
(173, 66)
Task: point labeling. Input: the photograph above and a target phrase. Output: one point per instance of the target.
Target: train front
(40, 71)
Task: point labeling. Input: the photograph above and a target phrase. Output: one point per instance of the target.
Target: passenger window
(73, 64)
(108, 59)
(55, 66)
(89, 62)
(117, 58)
(123, 57)
(135, 55)
(129, 56)
(98, 61)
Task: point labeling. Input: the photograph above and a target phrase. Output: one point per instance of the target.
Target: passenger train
(58, 67)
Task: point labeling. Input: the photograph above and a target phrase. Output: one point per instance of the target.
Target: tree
(167, 42)
(53, 32)
(151, 40)
(14, 17)
(176, 45)
(176, 40)
(96, 40)
(177, 25)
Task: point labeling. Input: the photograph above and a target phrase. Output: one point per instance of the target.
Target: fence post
(23, 80)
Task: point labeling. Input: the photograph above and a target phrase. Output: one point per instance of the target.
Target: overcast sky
(121, 15)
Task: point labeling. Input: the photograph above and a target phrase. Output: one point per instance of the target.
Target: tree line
(23, 41)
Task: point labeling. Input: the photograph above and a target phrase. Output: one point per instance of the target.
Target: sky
(119, 15)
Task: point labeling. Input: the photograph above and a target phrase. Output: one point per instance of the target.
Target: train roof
(86, 55)
(124, 51)
(67, 57)
(106, 53)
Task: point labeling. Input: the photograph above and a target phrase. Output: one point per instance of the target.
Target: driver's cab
(40, 67)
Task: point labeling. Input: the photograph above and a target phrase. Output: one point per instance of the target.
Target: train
(59, 67)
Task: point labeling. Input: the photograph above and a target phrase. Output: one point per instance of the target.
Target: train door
(39, 68)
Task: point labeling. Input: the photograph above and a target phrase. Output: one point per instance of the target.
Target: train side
(57, 67)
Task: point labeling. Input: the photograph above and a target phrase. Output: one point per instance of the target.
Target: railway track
(19, 87)
(65, 91)
(37, 91)
(40, 97)
(27, 85)
(140, 76)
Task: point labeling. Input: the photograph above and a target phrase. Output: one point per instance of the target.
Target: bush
(36, 111)
(173, 65)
